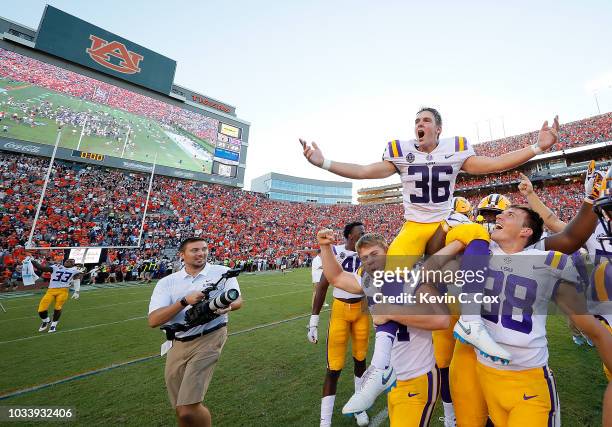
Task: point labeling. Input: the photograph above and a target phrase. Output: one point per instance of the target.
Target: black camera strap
(205, 332)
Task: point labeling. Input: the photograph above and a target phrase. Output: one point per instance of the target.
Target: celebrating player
(524, 392)
(347, 317)
(62, 276)
(428, 167)
(413, 397)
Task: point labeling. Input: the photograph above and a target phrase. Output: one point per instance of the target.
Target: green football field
(268, 373)
(147, 135)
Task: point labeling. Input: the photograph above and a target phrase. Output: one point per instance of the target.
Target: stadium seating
(87, 206)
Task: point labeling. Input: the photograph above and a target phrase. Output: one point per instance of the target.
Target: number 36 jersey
(525, 283)
(428, 179)
(61, 277)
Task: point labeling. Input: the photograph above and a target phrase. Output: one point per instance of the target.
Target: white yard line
(133, 361)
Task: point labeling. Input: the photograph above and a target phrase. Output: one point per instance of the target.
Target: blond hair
(371, 239)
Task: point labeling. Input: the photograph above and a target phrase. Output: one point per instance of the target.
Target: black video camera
(204, 311)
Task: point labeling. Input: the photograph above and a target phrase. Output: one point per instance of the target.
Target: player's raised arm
(582, 226)
(314, 155)
(480, 165)
(39, 267)
(551, 221)
(332, 269)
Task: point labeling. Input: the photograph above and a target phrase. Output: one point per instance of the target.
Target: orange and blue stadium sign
(78, 41)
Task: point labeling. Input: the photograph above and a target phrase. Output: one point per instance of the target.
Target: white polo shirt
(177, 285)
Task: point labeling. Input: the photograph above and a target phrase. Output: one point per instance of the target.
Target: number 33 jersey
(428, 179)
(525, 283)
(61, 277)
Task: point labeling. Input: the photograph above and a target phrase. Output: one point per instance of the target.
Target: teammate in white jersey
(348, 318)
(600, 291)
(316, 270)
(428, 168)
(524, 281)
(412, 398)
(62, 277)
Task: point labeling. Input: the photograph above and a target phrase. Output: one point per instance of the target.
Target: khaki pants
(190, 366)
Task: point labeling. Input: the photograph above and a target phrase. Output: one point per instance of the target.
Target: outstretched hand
(312, 153)
(548, 136)
(525, 186)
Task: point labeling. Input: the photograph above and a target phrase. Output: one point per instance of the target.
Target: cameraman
(193, 353)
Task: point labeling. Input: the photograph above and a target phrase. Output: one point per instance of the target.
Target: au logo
(101, 52)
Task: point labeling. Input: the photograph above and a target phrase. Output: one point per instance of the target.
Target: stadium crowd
(22, 69)
(580, 132)
(94, 206)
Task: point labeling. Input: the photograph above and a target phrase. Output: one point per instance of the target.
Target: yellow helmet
(493, 202)
(461, 205)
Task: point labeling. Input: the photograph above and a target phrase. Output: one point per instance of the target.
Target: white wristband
(536, 149)
(326, 164)
(314, 320)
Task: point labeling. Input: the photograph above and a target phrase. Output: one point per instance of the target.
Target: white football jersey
(525, 283)
(316, 269)
(412, 353)
(62, 277)
(428, 179)
(599, 292)
(350, 262)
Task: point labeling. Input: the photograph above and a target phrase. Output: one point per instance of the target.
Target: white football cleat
(362, 419)
(375, 381)
(43, 326)
(52, 329)
(448, 421)
(475, 333)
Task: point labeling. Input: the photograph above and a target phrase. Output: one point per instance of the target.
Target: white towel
(28, 275)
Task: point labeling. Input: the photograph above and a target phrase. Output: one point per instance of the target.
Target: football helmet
(489, 207)
(603, 207)
(461, 205)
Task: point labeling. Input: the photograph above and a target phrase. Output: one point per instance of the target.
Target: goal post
(29, 244)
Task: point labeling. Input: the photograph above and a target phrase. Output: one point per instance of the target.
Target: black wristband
(184, 302)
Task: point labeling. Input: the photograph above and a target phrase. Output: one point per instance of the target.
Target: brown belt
(350, 300)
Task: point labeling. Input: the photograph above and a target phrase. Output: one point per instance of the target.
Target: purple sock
(475, 259)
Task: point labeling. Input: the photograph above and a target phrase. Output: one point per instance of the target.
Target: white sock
(449, 410)
(47, 319)
(358, 381)
(327, 409)
(54, 323)
(382, 350)
(471, 318)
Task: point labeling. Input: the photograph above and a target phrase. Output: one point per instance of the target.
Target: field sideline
(268, 373)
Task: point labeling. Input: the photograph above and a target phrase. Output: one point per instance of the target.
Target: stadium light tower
(596, 101)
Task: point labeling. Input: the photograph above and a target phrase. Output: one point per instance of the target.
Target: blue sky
(351, 74)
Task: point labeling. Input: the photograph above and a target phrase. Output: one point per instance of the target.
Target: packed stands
(580, 132)
(87, 206)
